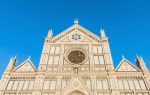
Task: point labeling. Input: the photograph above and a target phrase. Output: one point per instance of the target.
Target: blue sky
(24, 24)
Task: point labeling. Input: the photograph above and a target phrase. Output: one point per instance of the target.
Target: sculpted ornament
(43, 68)
(75, 37)
(76, 93)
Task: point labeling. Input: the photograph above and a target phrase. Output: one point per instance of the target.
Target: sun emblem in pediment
(76, 36)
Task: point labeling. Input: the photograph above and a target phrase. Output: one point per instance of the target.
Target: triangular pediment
(26, 66)
(75, 37)
(75, 34)
(126, 66)
(76, 85)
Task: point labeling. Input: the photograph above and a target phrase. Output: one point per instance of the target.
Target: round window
(76, 56)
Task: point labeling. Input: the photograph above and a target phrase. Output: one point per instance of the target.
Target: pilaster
(61, 57)
(93, 79)
(39, 80)
(4, 82)
(58, 87)
(113, 84)
(91, 57)
(107, 54)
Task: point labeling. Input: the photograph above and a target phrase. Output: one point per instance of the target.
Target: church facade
(76, 62)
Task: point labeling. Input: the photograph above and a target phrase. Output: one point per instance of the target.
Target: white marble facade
(76, 62)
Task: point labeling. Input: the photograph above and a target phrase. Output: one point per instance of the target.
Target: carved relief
(76, 93)
(76, 36)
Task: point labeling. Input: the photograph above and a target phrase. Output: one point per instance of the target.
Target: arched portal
(76, 93)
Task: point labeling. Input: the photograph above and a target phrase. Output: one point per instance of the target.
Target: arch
(76, 92)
